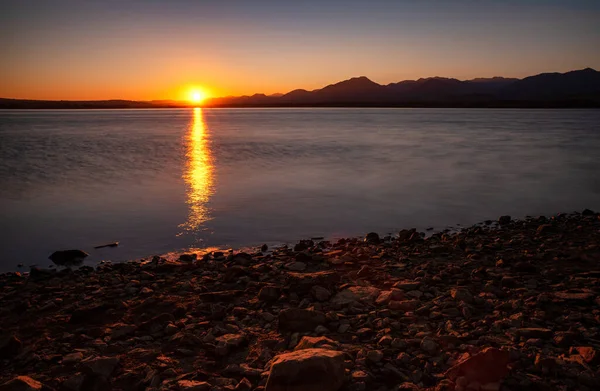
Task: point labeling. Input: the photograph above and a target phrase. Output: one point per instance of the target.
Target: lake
(166, 180)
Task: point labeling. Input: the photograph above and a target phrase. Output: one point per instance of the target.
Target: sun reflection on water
(199, 172)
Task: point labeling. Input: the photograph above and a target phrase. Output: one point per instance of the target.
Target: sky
(150, 49)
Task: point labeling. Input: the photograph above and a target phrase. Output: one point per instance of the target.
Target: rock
(508, 282)
(22, 383)
(68, 257)
(72, 358)
(503, 220)
(296, 319)
(296, 266)
(429, 346)
(375, 356)
(445, 385)
(404, 305)
(461, 294)
(488, 366)
(320, 293)
(303, 282)
(527, 333)
(589, 354)
(264, 248)
(101, 366)
(316, 342)
(303, 245)
(269, 293)
(10, 346)
(227, 342)
(121, 330)
(188, 257)
(407, 285)
(74, 382)
(406, 386)
(406, 234)
(544, 229)
(355, 294)
(92, 314)
(580, 295)
(307, 370)
(372, 237)
(191, 385)
(243, 385)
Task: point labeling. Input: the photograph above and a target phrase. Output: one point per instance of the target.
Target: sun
(197, 95)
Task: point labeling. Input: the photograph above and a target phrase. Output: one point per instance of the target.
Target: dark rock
(372, 237)
(503, 220)
(488, 366)
(307, 370)
(188, 257)
(296, 319)
(269, 293)
(10, 346)
(94, 314)
(101, 366)
(68, 257)
(527, 333)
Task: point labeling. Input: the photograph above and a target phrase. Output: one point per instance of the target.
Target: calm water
(164, 180)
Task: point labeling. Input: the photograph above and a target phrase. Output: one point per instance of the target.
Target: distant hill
(579, 88)
(572, 89)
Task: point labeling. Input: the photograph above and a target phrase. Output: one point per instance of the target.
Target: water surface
(165, 180)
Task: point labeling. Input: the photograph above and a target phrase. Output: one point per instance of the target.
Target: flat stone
(404, 305)
(22, 383)
(541, 333)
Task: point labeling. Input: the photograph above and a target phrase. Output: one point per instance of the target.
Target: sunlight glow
(199, 172)
(197, 95)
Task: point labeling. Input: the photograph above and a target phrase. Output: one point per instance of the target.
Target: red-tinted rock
(307, 370)
(487, 366)
(22, 383)
(404, 305)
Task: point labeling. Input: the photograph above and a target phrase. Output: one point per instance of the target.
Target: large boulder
(296, 319)
(486, 367)
(307, 370)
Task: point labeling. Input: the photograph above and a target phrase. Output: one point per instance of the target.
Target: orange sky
(146, 50)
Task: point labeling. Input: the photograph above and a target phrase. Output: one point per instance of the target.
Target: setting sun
(197, 95)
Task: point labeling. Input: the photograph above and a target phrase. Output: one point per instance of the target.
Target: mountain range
(580, 88)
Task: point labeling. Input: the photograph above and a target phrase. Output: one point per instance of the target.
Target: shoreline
(513, 305)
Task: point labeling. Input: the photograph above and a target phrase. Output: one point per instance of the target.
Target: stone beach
(502, 305)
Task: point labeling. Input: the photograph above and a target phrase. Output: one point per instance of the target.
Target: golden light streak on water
(199, 173)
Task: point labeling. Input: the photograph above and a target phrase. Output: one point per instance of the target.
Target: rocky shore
(503, 305)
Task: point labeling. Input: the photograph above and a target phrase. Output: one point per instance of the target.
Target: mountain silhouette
(572, 89)
(580, 88)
